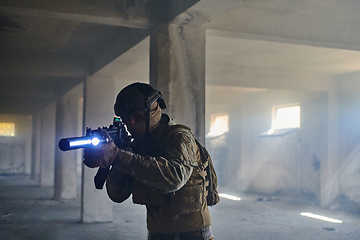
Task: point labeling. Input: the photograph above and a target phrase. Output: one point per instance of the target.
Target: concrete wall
(349, 139)
(47, 145)
(269, 165)
(35, 149)
(225, 150)
(291, 163)
(15, 152)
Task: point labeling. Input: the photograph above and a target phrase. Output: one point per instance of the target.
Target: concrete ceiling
(258, 54)
(46, 49)
(237, 64)
(49, 47)
(236, 61)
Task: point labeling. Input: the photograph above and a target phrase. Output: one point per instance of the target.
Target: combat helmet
(138, 97)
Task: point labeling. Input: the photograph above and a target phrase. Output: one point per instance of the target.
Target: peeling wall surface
(15, 152)
(12, 155)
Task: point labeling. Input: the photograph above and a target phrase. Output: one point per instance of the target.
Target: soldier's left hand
(101, 155)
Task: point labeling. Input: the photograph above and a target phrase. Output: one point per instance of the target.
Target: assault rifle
(116, 131)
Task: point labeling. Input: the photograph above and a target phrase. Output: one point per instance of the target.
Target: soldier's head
(139, 106)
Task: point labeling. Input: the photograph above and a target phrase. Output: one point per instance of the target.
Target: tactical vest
(199, 189)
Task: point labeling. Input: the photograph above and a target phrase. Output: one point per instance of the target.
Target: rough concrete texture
(29, 212)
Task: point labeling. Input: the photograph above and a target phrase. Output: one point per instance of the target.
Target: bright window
(219, 124)
(7, 129)
(286, 116)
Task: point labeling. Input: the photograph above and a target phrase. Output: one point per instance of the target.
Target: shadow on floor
(29, 212)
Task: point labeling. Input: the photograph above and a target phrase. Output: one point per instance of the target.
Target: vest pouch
(189, 198)
(212, 195)
(144, 195)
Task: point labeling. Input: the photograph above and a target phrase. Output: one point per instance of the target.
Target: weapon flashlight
(66, 144)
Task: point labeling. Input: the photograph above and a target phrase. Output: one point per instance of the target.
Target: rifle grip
(100, 177)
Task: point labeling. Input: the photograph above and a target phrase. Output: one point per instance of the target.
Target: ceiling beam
(267, 79)
(23, 105)
(29, 94)
(26, 105)
(35, 86)
(204, 11)
(44, 64)
(121, 43)
(324, 23)
(123, 13)
(166, 10)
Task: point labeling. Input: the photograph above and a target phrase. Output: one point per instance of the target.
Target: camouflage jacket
(166, 174)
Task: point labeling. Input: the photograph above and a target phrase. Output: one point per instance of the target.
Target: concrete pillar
(47, 152)
(234, 147)
(330, 180)
(36, 144)
(67, 114)
(99, 104)
(177, 69)
(28, 143)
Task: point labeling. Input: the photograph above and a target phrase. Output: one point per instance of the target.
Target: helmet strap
(147, 123)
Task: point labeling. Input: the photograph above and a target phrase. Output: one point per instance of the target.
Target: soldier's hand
(101, 155)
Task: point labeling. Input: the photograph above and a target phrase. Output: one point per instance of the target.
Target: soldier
(163, 168)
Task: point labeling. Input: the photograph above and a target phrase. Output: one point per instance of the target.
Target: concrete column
(36, 144)
(177, 69)
(98, 103)
(67, 113)
(47, 152)
(234, 147)
(28, 143)
(330, 180)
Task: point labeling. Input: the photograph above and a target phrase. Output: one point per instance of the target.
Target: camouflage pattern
(166, 174)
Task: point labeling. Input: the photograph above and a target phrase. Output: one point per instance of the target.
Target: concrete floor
(29, 212)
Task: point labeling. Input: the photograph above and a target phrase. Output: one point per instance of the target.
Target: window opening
(285, 119)
(7, 129)
(219, 124)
